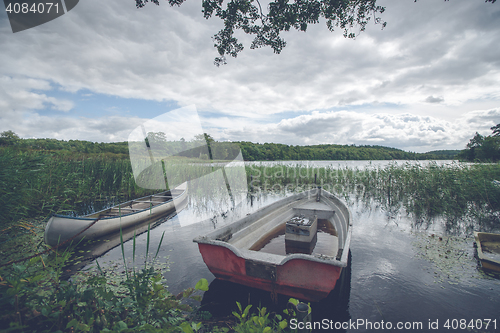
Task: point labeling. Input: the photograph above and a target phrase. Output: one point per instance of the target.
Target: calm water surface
(400, 271)
(355, 164)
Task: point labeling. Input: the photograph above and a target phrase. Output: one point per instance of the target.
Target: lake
(355, 164)
(418, 274)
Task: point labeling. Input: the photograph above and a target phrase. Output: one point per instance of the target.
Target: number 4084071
(25, 8)
(463, 324)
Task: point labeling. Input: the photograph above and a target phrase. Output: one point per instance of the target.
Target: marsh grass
(452, 191)
(37, 183)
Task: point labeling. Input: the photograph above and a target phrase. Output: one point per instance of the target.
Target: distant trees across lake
(10, 139)
(280, 152)
(250, 151)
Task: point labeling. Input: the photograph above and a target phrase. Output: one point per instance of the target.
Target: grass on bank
(35, 184)
(36, 299)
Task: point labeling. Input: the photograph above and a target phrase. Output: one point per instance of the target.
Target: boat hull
(228, 253)
(488, 250)
(299, 278)
(60, 228)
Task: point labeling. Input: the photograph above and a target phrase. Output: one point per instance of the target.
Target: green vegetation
(205, 145)
(38, 183)
(425, 192)
(36, 299)
(35, 182)
(115, 149)
(266, 23)
(483, 148)
(281, 152)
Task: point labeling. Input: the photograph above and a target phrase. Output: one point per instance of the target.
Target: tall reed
(34, 183)
(424, 191)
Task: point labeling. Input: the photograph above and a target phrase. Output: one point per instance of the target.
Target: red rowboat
(307, 270)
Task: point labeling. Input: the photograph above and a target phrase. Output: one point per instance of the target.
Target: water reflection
(398, 271)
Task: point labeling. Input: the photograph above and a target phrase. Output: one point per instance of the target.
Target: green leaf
(186, 328)
(196, 326)
(45, 311)
(72, 323)
(202, 285)
(266, 330)
(247, 309)
(83, 327)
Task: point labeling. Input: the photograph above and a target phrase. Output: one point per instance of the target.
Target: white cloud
(435, 59)
(104, 129)
(21, 94)
(406, 131)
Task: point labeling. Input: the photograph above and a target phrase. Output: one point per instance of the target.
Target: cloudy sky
(428, 81)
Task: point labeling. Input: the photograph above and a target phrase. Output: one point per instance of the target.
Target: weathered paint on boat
(228, 255)
(488, 250)
(60, 228)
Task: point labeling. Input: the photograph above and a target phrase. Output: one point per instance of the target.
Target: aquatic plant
(453, 190)
(35, 298)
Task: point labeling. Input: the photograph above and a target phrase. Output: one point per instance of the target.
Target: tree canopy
(483, 148)
(8, 138)
(266, 24)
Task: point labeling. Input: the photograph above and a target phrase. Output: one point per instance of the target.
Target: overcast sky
(428, 81)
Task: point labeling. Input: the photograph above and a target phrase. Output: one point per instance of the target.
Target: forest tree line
(483, 148)
(250, 151)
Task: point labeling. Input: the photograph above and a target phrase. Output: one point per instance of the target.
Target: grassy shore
(35, 184)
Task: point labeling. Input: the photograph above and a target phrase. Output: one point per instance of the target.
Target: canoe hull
(61, 228)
